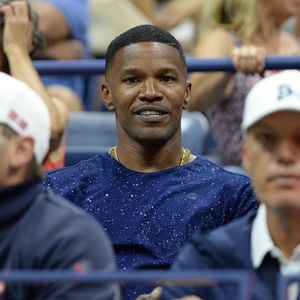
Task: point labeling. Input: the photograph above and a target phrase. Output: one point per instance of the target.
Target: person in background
(247, 31)
(64, 24)
(267, 242)
(20, 38)
(181, 18)
(292, 25)
(149, 193)
(39, 230)
(174, 12)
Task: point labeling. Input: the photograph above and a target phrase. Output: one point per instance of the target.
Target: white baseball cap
(272, 94)
(25, 112)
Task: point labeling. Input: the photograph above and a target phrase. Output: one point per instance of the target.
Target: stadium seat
(91, 129)
(88, 134)
(195, 129)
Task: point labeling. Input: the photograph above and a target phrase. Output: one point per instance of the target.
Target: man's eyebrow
(168, 69)
(129, 70)
(261, 126)
(135, 70)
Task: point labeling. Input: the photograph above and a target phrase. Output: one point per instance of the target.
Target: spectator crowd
(148, 202)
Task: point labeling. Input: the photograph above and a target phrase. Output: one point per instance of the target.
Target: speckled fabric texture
(150, 216)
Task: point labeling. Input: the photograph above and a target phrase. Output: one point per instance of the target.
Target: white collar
(261, 242)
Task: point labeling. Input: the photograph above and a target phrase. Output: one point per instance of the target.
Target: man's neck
(284, 224)
(146, 158)
(4, 66)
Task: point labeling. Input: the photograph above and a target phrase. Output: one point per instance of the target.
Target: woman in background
(247, 31)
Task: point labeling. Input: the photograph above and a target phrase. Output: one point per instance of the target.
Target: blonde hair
(240, 16)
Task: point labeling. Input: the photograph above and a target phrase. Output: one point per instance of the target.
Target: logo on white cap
(15, 117)
(25, 112)
(275, 93)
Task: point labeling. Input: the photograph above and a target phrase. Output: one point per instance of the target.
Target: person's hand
(154, 295)
(249, 59)
(18, 28)
(190, 298)
(2, 287)
(157, 293)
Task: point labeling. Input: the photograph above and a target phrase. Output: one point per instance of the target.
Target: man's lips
(152, 114)
(151, 110)
(285, 179)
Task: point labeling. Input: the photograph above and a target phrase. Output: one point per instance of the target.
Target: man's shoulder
(64, 238)
(231, 241)
(227, 231)
(75, 6)
(209, 169)
(77, 15)
(58, 222)
(85, 168)
(58, 211)
(227, 247)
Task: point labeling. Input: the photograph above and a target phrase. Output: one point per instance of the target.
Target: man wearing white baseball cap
(39, 230)
(25, 113)
(20, 40)
(266, 242)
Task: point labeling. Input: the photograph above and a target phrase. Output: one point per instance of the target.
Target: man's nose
(150, 91)
(287, 152)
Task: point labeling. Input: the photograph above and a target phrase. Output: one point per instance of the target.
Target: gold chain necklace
(185, 158)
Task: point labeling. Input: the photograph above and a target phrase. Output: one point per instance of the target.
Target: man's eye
(130, 80)
(266, 138)
(297, 140)
(167, 78)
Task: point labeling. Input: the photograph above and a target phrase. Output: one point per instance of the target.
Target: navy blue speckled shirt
(150, 216)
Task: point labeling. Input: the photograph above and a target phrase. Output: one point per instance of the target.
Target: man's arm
(64, 25)
(213, 88)
(52, 22)
(80, 246)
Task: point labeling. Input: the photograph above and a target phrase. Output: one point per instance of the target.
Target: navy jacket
(41, 231)
(227, 247)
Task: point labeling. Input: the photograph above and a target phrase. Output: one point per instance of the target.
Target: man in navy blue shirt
(267, 243)
(148, 192)
(39, 230)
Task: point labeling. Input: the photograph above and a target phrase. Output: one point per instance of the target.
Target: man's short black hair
(140, 34)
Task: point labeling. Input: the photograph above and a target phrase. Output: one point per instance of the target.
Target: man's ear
(23, 152)
(245, 158)
(187, 95)
(106, 96)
